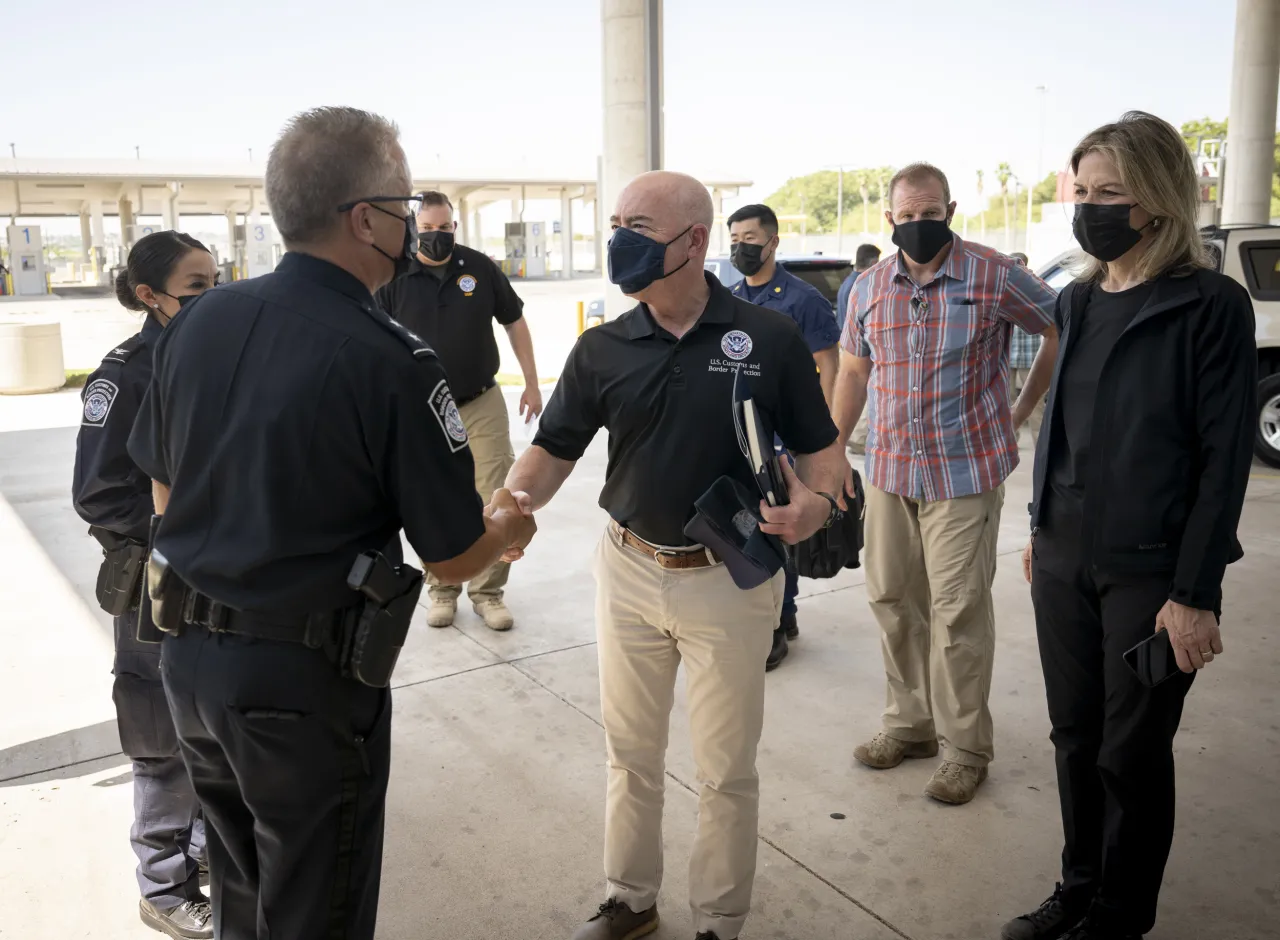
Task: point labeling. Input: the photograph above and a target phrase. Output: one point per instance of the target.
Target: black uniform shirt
(455, 314)
(108, 490)
(1103, 319)
(667, 404)
(299, 426)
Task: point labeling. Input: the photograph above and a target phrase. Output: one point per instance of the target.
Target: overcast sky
(754, 88)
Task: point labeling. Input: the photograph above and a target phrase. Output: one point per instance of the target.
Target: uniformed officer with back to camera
(451, 297)
(661, 378)
(292, 430)
(164, 271)
(753, 236)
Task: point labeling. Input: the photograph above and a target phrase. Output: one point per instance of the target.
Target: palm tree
(983, 206)
(1004, 174)
(863, 179)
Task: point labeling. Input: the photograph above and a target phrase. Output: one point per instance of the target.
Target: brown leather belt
(679, 559)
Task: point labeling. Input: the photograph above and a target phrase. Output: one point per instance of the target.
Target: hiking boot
(884, 751)
(615, 921)
(442, 610)
(790, 626)
(1092, 929)
(191, 920)
(779, 651)
(1050, 921)
(955, 783)
(494, 613)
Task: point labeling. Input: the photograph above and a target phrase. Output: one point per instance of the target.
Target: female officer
(165, 271)
(1140, 477)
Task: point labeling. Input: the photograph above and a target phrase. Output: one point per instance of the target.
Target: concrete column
(98, 234)
(476, 234)
(718, 230)
(125, 208)
(1251, 128)
(566, 233)
(631, 64)
(597, 242)
(464, 223)
(86, 237)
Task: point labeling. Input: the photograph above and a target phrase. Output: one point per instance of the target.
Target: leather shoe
(191, 920)
(789, 624)
(615, 921)
(779, 651)
(1050, 921)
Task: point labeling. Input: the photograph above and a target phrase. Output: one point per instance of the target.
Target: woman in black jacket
(164, 272)
(1139, 485)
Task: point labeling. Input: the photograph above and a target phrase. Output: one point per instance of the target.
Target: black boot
(1051, 920)
(789, 624)
(779, 651)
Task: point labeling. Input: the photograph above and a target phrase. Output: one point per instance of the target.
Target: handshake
(510, 517)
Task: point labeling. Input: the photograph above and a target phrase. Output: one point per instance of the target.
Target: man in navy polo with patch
(450, 296)
(753, 234)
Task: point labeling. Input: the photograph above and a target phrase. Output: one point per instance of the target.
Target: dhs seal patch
(446, 412)
(98, 398)
(467, 284)
(736, 345)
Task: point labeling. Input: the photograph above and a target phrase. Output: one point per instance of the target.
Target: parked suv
(1251, 255)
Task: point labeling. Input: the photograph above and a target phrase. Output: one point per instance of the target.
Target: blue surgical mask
(636, 261)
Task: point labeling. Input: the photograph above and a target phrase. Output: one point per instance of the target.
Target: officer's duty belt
(695, 556)
(314, 630)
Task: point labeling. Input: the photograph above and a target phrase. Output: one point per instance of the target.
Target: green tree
(1003, 174)
(814, 196)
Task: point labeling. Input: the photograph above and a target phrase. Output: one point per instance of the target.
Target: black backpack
(828, 551)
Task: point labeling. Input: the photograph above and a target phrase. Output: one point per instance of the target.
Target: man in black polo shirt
(450, 297)
(660, 378)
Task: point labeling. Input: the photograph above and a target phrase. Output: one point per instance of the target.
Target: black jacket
(1172, 438)
(108, 490)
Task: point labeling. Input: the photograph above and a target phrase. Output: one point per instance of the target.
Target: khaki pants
(857, 443)
(648, 619)
(1017, 379)
(929, 573)
(489, 431)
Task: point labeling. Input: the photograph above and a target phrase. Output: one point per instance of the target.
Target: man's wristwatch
(834, 514)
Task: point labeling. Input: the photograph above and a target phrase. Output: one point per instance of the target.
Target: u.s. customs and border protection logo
(467, 284)
(446, 411)
(98, 398)
(736, 345)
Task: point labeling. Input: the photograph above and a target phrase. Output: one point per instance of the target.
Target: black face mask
(435, 245)
(922, 239)
(400, 262)
(1104, 230)
(746, 258)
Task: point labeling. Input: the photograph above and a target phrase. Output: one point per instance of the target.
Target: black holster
(167, 593)
(119, 587)
(378, 627)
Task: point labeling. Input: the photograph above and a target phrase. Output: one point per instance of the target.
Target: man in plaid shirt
(926, 348)
(1022, 356)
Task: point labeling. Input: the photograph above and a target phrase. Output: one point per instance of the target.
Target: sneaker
(442, 610)
(494, 613)
(1091, 929)
(779, 651)
(955, 783)
(1050, 921)
(884, 751)
(191, 920)
(793, 629)
(615, 921)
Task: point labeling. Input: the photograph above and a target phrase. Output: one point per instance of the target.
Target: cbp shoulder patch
(446, 412)
(98, 398)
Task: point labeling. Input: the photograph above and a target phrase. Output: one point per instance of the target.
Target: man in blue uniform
(293, 429)
(753, 235)
(165, 270)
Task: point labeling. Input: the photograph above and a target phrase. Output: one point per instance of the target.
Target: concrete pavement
(495, 809)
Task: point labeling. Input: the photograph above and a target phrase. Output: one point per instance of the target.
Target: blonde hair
(1155, 165)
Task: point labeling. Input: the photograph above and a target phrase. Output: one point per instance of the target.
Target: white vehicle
(1249, 254)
